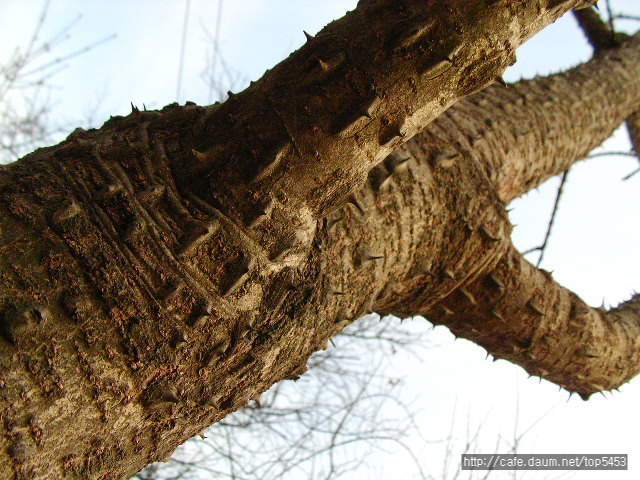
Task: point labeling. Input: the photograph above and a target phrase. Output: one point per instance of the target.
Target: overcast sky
(594, 246)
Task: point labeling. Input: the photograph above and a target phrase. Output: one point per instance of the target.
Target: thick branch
(538, 128)
(597, 32)
(521, 314)
(354, 93)
(506, 305)
(602, 38)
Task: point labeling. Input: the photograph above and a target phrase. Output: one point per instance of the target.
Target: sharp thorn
(501, 81)
(533, 306)
(495, 280)
(488, 234)
(353, 201)
(469, 297)
(448, 274)
(323, 65)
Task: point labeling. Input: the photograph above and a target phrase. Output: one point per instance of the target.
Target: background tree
(26, 90)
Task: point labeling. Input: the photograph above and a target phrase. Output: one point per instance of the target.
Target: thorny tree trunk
(161, 271)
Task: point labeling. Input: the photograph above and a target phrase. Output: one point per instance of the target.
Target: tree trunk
(162, 271)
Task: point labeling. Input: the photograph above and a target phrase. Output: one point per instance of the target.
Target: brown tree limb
(538, 128)
(521, 314)
(602, 37)
(472, 303)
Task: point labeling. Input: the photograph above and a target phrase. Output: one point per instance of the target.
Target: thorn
(494, 313)
(331, 340)
(259, 217)
(488, 234)
(533, 306)
(309, 37)
(466, 294)
(427, 266)
(501, 81)
(353, 201)
(393, 162)
(336, 292)
(178, 339)
(495, 280)
(170, 396)
(378, 178)
(413, 36)
(401, 162)
(200, 156)
(323, 65)
(448, 273)
(400, 133)
(445, 310)
(332, 222)
(370, 258)
(446, 160)
(134, 109)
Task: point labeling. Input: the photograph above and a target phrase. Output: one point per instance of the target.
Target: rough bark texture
(516, 138)
(602, 38)
(161, 271)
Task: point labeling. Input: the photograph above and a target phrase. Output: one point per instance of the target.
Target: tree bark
(161, 271)
(601, 38)
(470, 277)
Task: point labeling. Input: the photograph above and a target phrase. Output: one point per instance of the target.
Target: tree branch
(602, 37)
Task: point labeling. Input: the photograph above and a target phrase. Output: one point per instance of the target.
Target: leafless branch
(26, 99)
